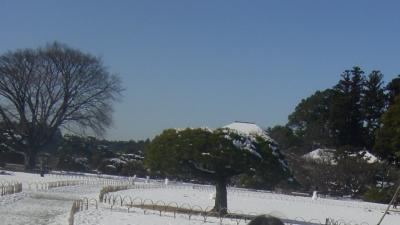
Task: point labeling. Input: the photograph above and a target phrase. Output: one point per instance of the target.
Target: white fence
(10, 187)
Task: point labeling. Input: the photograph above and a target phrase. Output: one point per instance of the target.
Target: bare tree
(45, 89)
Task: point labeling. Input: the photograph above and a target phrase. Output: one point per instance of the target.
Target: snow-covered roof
(328, 154)
(249, 129)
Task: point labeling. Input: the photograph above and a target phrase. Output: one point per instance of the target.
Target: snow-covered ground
(45, 207)
(137, 217)
(283, 206)
(33, 207)
(52, 206)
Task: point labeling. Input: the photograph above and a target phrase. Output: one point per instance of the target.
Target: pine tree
(345, 112)
(310, 121)
(214, 155)
(393, 89)
(387, 142)
(373, 105)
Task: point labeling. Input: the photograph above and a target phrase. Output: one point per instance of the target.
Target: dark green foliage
(203, 153)
(379, 195)
(11, 157)
(133, 168)
(286, 138)
(346, 115)
(263, 181)
(310, 121)
(107, 168)
(393, 89)
(131, 147)
(68, 163)
(212, 155)
(112, 157)
(76, 145)
(350, 117)
(387, 142)
(373, 105)
(346, 119)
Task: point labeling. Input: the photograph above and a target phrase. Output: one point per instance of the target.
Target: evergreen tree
(288, 141)
(393, 89)
(345, 113)
(215, 156)
(387, 142)
(373, 105)
(310, 121)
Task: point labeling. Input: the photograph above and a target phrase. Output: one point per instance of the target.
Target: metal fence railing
(116, 201)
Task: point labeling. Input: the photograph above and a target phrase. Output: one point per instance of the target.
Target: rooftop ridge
(237, 121)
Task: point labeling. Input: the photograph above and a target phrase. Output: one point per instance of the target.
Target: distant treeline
(88, 154)
(355, 114)
(360, 113)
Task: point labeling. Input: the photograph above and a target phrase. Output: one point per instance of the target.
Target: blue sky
(208, 63)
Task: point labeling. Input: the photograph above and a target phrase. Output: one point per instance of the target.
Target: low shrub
(379, 195)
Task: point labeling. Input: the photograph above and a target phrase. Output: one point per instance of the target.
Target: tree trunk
(221, 202)
(29, 160)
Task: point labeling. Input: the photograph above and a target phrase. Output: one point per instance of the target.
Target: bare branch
(44, 89)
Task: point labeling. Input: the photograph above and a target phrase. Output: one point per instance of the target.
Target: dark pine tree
(387, 142)
(310, 121)
(215, 156)
(393, 89)
(373, 105)
(346, 118)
